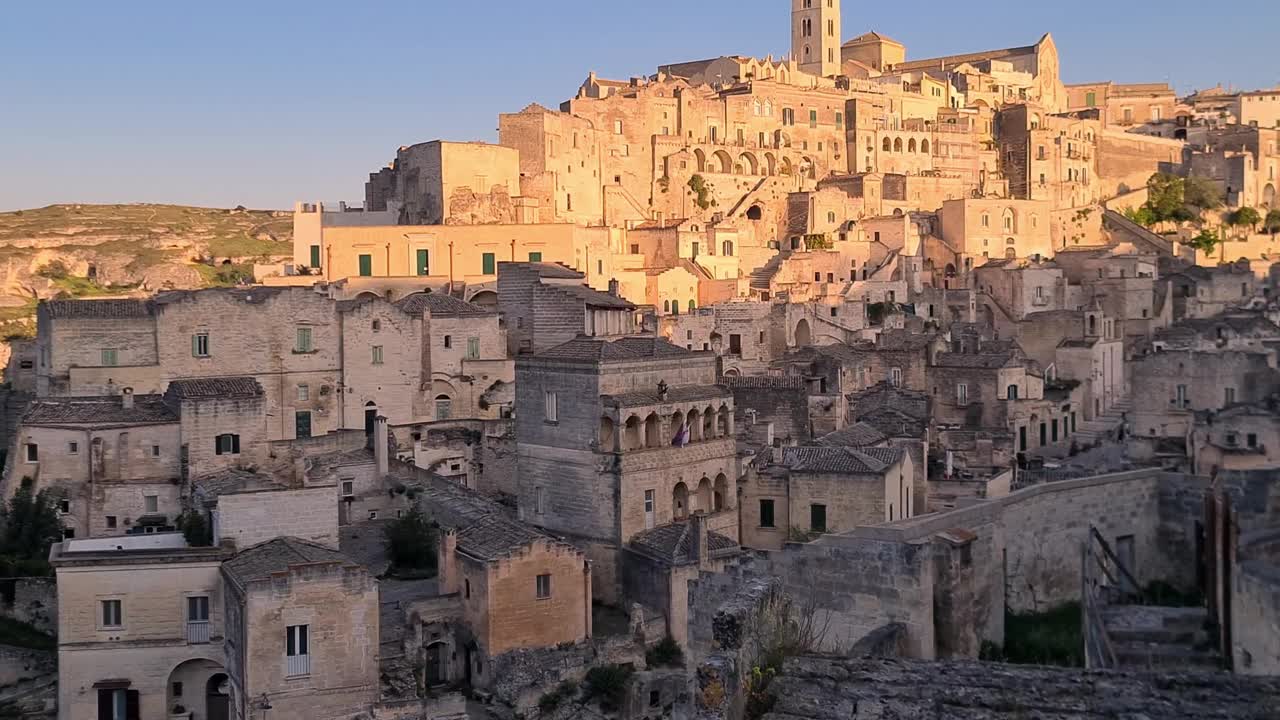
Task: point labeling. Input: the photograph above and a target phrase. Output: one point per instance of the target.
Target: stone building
(448, 183)
(615, 437)
(1243, 436)
(982, 229)
(92, 347)
(545, 305)
(112, 462)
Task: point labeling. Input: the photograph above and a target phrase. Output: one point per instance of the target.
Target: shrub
(665, 654)
(54, 270)
(552, 699)
(195, 529)
(608, 684)
(29, 526)
(411, 541)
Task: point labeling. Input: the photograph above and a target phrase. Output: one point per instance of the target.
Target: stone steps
(1135, 655)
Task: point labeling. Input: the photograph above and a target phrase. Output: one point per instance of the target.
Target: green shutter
(487, 263)
(366, 266)
(424, 267)
(195, 350)
(535, 257)
(315, 257)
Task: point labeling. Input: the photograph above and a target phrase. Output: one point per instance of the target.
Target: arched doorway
(680, 501)
(1269, 196)
(370, 418)
(755, 212)
(803, 335)
(217, 697)
(704, 494)
(720, 495)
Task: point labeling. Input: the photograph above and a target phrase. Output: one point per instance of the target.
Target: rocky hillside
(92, 250)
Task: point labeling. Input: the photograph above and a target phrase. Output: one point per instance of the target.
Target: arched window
(888, 144)
(1012, 392)
(444, 407)
(924, 146)
(666, 306)
(897, 144)
(911, 145)
(692, 306)
(755, 107)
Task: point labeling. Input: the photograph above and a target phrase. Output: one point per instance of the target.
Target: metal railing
(1105, 581)
(197, 632)
(297, 665)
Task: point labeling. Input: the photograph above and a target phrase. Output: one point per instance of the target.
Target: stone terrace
(853, 689)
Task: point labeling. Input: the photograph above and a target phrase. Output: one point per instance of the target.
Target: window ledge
(305, 352)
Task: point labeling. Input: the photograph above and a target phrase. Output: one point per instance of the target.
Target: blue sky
(261, 103)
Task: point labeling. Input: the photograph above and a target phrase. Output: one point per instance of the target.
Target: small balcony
(197, 632)
(297, 666)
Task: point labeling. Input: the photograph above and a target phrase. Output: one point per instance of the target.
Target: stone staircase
(763, 275)
(1160, 638)
(1104, 426)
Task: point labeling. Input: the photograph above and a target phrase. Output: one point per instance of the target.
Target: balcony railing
(297, 665)
(197, 632)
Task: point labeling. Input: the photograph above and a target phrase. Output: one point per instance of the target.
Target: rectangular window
(1251, 440)
(1180, 400)
(839, 120)
(423, 262)
(32, 452)
(544, 587)
(348, 488)
(64, 506)
(304, 393)
(473, 348)
(962, 394)
(818, 518)
(110, 357)
(297, 650)
(198, 609)
(302, 342)
(151, 503)
(648, 501)
(448, 341)
(377, 354)
(1091, 99)
(111, 522)
(735, 343)
(315, 257)
(1228, 396)
(73, 448)
(155, 451)
(444, 408)
(366, 265)
(487, 264)
(766, 514)
(895, 377)
(813, 118)
(228, 444)
(200, 345)
(552, 407)
(539, 500)
(302, 424)
(112, 613)
(535, 257)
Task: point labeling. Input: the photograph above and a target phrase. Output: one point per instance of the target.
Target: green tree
(1202, 193)
(1272, 223)
(195, 529)
(1205, 242)
(1141, 215)
(1165, 196)
(701, 191)
(29, 525)
(1245, 217)
(411, 541)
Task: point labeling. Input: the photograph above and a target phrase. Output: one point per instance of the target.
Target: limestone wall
(252, 518)
(1255, 606)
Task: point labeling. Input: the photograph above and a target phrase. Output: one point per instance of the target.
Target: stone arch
(708, 423)
(724, 419)
(732, 372)
(911, 145)
(887, 145)
(485, 298)
(781, 139)
(700, 159)
(770, 164)
(924, 146)
(608, 434)
(808, 168)
(203, 684)
(750, 165)
(632, 434)
(704, 494)
(897, 144)
(652, 431)
(720, 493)
(803, 335)
(694, 422)
(721, 162)
(755, 212)
(1011, 253)
(785, 168)
(1269, 196)
(677, 422)
(680, 501)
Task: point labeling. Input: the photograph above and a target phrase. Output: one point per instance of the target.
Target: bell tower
(815, 36)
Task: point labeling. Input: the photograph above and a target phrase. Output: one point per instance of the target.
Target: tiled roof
(859, 434)
(215, 388)
(92, 309)
(674, 543)
(884, 394)
(978, 360)
(556, 270)
(146, 410)
(440, 304)
(495, 537)
(232, 480)
(262, 561)
(894, 423)
(844, 460)
(624, 349)
(594, 298)
(678, 394)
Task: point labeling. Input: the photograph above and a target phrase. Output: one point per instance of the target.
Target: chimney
(698, 526)
(613, 287)
(380, 446)
(126, 398)
(447, 564)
